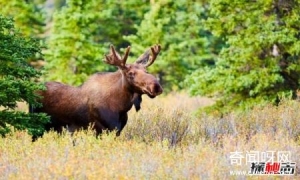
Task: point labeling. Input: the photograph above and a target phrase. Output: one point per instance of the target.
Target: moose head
(136, 75)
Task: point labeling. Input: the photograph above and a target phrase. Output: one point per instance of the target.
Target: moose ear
(144, 58)
(149, 56)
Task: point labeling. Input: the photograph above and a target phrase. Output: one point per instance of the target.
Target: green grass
(165, 140)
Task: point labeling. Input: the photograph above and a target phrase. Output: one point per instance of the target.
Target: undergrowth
(165, 140)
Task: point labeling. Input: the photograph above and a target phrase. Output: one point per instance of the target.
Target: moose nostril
(157, 89)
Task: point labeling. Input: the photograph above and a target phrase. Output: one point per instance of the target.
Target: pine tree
(72, 53)
(260, 63)
(28, 16)
(178, 27)
(17, 80)
(81, 35)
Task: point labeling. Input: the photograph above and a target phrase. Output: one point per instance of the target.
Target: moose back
(105, 98)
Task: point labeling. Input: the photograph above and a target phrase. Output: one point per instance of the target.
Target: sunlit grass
(165, 140)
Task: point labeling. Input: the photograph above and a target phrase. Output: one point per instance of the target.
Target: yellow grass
(165, 140)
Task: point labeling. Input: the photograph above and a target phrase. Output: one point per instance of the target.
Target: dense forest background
(240, 53)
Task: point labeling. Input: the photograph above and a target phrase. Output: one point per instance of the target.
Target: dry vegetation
(165, 140)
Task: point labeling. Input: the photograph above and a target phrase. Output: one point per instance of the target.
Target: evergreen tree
(72, 54)
(177, 26)
(117, 19)
(28, 16)
(17, 80)
(81, 35)
(261, 60)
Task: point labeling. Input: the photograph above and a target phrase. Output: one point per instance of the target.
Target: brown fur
(104, 99)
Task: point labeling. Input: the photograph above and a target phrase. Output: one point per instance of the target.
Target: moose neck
(123, 84)
(111, 88)
(121, 89)
(118, 86)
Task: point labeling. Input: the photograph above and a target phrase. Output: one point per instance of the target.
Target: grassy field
(165, 140)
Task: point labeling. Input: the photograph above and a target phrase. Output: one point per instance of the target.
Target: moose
(105, 98)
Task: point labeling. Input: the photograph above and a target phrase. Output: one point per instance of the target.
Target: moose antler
(146, 59)
(115, 59)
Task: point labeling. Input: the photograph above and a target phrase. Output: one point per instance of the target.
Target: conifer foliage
(17, 80)
(260, 62)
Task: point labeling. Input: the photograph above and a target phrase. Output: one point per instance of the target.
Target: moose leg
(123, 117)
(94, 118)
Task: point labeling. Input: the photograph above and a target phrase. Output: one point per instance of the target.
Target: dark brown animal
(105, 98)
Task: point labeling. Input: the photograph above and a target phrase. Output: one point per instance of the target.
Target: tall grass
(165, 140)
